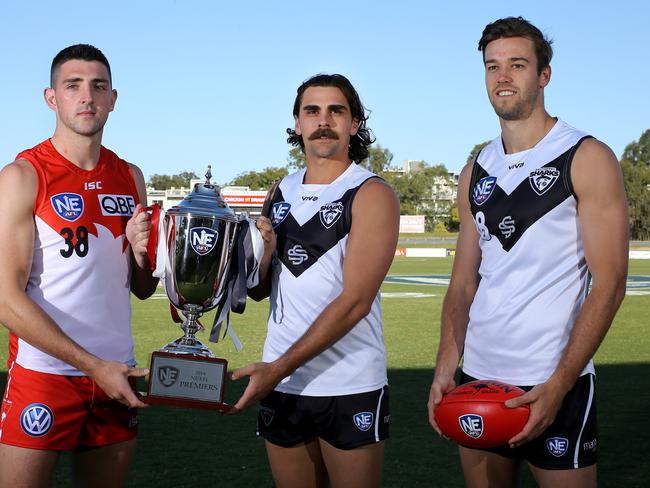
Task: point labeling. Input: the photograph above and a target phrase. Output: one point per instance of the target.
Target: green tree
(475, 150)
(378, 160)
(165, 182)
(260, 180)
(635, 164)
(638, 152)
(296, 158)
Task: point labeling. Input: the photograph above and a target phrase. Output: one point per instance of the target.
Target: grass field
(187, 448)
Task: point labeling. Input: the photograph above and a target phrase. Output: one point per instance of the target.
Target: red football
(474, 414)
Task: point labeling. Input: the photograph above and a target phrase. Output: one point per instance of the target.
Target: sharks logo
(330, 213)
(542, 179)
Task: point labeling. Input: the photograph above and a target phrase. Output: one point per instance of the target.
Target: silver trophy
(200, 237)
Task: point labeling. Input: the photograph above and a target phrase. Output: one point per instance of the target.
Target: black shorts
(345, 421)
(571, 441)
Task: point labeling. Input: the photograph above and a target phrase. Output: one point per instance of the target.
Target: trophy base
(182, 346)
(185, 379)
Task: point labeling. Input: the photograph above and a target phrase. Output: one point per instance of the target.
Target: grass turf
(186, 448)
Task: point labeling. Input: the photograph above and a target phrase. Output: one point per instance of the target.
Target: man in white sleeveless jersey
(333, 226)
(543, 217)
(67, 275)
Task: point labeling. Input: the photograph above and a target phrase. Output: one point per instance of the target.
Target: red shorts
(54, 412)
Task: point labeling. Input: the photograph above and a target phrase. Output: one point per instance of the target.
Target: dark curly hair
(358, 148)
(84, 52)
(518, 27)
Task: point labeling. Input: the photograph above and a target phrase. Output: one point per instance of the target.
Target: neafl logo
(68, 206)
(203, 239)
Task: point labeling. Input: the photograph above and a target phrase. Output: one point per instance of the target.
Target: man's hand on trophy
(113, 378)
(262, 379)
(138, 229)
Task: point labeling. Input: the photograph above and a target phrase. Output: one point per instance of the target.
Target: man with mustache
(69, 212)
(331, 237)
(542, 210)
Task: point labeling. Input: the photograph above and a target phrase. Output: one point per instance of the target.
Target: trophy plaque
(200, 236)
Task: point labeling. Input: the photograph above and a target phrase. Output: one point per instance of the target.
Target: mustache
(324, 132)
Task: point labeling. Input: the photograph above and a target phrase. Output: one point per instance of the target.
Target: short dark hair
(358, 149)
(519, 27)
(85, 52)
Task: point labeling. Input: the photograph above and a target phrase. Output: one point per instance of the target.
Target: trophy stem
(189, 344)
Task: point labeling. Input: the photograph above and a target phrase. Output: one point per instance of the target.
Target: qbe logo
(297, 255)
(36, 420)
(483, 189)
(363, 420)
(472, 425)
(203, 239)
(116, 205)
(557, 446)
(167, 375)
(69, 206)
(279, 212)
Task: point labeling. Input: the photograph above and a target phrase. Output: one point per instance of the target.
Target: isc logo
(483, 189)
(203, 239)
(279, 212)
(116, 205)
(68, 206)
(471, 424)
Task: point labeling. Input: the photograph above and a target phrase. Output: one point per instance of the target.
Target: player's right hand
(439, 387)
(112, 377)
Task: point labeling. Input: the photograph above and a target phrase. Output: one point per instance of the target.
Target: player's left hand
(262, 379)
(544, 401)
(138, 229)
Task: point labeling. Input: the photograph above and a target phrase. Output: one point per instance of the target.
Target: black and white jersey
(534, 275)
(312, 223)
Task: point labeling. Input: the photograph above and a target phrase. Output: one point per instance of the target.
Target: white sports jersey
(534, 275)
(80, 272)
(312, 223)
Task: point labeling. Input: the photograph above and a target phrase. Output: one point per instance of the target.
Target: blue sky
(209, 82)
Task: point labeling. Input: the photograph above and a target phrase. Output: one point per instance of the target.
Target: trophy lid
(205, 200)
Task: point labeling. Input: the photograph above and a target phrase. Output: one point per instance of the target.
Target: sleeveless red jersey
(81, 268)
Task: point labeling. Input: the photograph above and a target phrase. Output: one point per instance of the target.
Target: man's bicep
(372, 240)
(17, 223)
(602, 209)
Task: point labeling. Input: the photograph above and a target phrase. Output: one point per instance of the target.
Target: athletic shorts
(345, 421)
(60, 413)
(571, 441)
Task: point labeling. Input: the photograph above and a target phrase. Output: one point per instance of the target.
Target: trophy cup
(200, 237)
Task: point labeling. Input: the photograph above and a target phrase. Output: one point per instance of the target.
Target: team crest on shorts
(363, 420)
(483, 189)
(471, 424)
(542, 179)
(267, 415)
(68, 206)
(203, 239)
(330, 213)
(279, 212)
(167, 375)
(557, 446)
(36, 420)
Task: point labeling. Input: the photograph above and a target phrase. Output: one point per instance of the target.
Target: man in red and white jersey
(72, 248)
